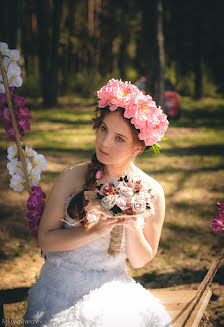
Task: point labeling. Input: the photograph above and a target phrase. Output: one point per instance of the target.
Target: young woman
(81, 284)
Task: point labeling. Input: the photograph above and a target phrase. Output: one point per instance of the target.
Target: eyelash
(118, 138)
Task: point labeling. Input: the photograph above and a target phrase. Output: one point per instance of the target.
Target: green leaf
(164, 138)
(156, 149)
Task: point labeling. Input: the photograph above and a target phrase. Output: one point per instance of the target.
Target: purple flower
(218, 223)
(25, 112)
(20, 101)
(11, 133)
(5, 115)
(3, 99)
(35, 206)
(22, 115)
(23, 123)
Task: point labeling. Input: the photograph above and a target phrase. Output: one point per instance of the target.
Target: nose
(106, 141)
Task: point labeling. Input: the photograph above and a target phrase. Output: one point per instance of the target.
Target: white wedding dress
(87, 287)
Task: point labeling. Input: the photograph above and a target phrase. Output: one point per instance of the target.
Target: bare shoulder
(73, 177)
(68, 182)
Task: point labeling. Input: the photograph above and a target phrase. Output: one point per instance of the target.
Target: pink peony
(116, 94)
(140, 108)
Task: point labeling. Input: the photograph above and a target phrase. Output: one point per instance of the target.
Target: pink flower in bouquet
(121, 203)
(218, 223)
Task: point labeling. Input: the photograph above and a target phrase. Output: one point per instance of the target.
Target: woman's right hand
(104, 226)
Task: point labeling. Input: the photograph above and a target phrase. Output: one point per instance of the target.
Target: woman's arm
(142, 244)
(51, 236)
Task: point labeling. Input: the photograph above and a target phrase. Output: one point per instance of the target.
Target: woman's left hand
(129, 223)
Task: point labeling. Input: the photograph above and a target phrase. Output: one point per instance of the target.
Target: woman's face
(115, 144)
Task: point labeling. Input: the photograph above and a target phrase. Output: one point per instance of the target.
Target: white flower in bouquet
(17, 182)
(92, 218)
(138, 203)
(109, 201)
(126, 191)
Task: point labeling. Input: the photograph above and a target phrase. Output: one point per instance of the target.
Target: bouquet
(124, 198)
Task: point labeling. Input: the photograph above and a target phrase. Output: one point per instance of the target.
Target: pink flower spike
(99, 174)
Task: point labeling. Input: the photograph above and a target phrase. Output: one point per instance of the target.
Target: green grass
(190, 168)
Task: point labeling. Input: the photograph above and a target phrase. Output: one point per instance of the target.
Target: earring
(133, 157)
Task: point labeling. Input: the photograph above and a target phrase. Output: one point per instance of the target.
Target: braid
(93, 167)
(76, 207)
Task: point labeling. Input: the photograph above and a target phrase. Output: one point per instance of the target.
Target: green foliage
(156, 149)
(132, 74)
(209, 86)
(31, 86)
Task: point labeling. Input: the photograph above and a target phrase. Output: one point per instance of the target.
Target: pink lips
(103, 153)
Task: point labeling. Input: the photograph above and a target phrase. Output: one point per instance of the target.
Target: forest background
(73, 47)
(69, 49)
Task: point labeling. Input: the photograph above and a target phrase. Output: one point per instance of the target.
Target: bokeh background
(69, 49)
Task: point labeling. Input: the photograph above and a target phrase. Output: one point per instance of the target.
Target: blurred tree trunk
(48, 51)
(9, 22)
(197, 49)
(160, 54)
(123, 57)
(145, 54)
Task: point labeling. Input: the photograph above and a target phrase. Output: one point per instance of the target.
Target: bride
(81, 284)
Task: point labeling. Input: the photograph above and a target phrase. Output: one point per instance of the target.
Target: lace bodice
(90, 256)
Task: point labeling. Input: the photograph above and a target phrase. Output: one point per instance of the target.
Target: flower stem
(14, 124)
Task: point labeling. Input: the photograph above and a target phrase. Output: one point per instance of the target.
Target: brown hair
(77, 204)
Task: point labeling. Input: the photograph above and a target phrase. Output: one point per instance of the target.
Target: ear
(137, 149)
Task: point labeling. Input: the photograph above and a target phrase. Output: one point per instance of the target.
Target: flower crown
(140, 108)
